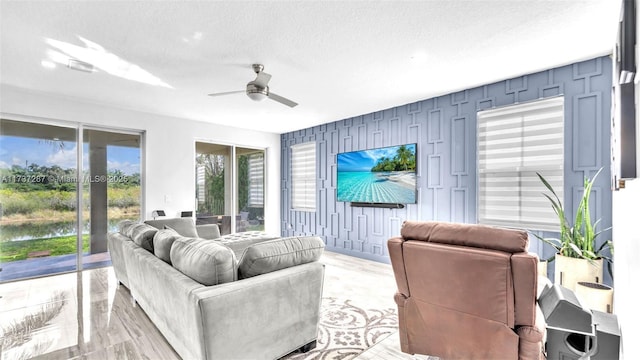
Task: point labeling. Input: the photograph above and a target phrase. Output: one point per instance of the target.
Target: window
(250, 172)
(303, 176)
(64, 187)
(256, 179)
(514, 143)
(230, 185)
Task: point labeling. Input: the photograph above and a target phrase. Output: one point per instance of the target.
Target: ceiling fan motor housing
(257, 68)
(257, 93)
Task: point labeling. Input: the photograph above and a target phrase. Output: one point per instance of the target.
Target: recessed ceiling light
(93, 57)
(48, 64)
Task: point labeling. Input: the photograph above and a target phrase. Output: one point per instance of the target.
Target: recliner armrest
(525, 287)
(397, 262)
(532, 339)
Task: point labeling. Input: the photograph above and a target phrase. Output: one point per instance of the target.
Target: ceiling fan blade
(262, 79)
(282, 100)
(227, 93)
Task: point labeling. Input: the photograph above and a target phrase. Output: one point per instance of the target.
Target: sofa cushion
(142, 234)
(208, 231)
(277, 254)
(205, 261)
(184, 226)
(126, 226)
(162, 241)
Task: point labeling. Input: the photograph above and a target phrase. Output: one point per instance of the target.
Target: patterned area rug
(347, 330)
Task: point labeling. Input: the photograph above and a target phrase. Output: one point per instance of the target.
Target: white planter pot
(569, 271)
(595, 296)
(542, 268)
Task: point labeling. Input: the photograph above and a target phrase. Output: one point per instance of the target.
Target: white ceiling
(337, 59)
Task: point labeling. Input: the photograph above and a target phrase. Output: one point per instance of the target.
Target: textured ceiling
(336, 59)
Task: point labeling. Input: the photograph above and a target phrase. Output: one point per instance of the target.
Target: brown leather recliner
(466, 292)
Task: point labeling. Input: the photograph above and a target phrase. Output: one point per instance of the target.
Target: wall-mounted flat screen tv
(384, 175)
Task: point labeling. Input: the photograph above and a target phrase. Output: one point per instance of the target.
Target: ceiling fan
(258, 90)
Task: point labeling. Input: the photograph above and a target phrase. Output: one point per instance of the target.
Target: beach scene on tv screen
(383, 175)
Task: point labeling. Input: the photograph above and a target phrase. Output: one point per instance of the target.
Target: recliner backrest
(480, 236)
(460, 255)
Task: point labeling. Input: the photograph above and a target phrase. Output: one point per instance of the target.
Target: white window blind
(200, 174)
(303, 176)
(256, 180)
(514, 143)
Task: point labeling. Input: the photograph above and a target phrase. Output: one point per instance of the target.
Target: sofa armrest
(208, 231)
(116, 252)
(267, 316)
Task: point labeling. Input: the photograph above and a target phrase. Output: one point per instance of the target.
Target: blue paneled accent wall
(444, 128)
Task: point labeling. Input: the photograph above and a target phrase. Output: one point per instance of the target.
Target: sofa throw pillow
(162, 241)
(184, 226)
(125, 227)
(205, 261)
(272, 255)
(142, 234)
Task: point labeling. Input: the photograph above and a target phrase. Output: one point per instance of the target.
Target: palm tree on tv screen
(403, 155)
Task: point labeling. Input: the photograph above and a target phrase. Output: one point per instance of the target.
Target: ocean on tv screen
(377, 187)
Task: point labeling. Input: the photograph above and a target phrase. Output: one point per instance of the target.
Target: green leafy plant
(577, 240)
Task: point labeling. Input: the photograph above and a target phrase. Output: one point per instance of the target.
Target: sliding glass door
(213, 185)
(250, 189)
(38, 166)
(110, 189)
(230, 187)
(50, 185)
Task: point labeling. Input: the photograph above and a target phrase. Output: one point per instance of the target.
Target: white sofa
(210, 304)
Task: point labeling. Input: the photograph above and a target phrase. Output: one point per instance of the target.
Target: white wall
(626, 238)
(170, 146)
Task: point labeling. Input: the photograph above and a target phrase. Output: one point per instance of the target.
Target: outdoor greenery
(214, 185)
(404, 160)
(30, 202)
(19, 250)
(38, 201)
(577, 240)
(33, 189)
(243, 182)
(37, 177)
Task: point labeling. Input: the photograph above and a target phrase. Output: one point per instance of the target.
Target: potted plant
(577, 258)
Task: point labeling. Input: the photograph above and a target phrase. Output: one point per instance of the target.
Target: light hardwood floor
(99, 320)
